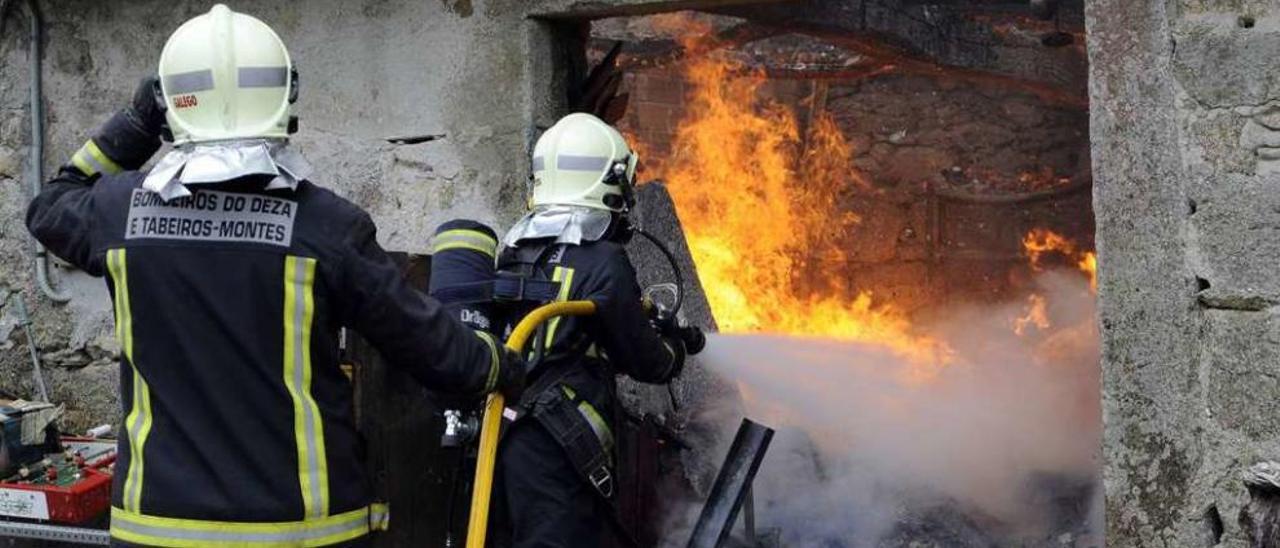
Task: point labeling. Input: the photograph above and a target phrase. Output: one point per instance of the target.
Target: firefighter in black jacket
(231, 274)
(555, 469)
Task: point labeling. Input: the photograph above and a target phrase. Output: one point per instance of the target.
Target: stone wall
(1184, 95)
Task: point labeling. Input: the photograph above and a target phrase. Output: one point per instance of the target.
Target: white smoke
(861, 449)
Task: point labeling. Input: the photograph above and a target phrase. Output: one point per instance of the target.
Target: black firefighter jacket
(583, 354)
(228, 304)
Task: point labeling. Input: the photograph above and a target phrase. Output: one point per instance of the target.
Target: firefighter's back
(226, 311)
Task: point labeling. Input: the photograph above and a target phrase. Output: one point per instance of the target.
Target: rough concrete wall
(1184, 95)
(479, 77)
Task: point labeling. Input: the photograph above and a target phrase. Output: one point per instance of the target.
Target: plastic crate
(77, 502)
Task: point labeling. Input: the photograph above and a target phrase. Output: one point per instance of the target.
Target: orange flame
(1089, 265)
(758, 197)
(1041, 241)
(1037, 315)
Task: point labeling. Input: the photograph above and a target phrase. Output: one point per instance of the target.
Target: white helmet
(226, 75)
(583, 161)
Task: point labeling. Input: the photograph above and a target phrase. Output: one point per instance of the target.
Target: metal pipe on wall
(36, 162)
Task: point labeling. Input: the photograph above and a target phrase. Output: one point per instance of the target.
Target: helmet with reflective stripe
(226, 75)
(583, 161)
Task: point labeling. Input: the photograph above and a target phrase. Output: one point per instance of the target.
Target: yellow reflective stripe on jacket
(91, 160)
(138, 528)
(461, 238)
(495, 362)
(308, 430)
(596, 420)
(138, 422)
(565, 277)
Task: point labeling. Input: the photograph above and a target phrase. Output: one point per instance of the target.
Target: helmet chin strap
(163, 106)
(621, 230)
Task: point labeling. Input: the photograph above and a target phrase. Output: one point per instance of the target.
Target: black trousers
(546, 503)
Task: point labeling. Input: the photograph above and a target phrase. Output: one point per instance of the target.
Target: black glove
(669, 326)
(145, 112)
(132, 135)
(662, 319)
(511, 376)
(678, 353)
(693, 338)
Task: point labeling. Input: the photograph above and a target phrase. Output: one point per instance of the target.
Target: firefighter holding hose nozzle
(554, 484)
(555, 473)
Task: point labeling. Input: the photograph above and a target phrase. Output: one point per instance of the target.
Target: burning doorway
(888, 204)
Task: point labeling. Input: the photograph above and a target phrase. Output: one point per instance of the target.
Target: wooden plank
(402, 424)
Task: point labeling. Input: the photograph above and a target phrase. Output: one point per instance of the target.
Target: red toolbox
(73, 487)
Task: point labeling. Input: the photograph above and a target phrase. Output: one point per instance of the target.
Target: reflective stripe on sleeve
(495, 361)
(138, 528)
(138, 422)
(90, 160)
(465, 239)
(299, 311)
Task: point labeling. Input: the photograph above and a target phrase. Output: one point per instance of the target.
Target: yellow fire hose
(482, 488)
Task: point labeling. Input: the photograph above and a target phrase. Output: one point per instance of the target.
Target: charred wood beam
(1077, 185)
(923, 36)
(598, 9)
(883, 58)
(884, 61)
(894, 60)
(662, 52)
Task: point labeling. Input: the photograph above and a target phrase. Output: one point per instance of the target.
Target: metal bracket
(60, 533)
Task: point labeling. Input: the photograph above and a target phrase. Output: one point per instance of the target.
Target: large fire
(1039, 242)
(758, 192)
(757, 195)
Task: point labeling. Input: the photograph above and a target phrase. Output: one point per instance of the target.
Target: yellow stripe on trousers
(138, 422)
(299, 312)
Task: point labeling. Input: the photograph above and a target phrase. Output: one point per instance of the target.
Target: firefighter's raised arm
(59, 216)
(413, 330)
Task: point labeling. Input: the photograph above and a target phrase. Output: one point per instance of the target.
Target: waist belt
(141, 529)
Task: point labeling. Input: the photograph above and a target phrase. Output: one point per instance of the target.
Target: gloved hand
(662, 319)
(670, 326)
(130, 136)
(144, 113)
(511, 376)
(693, 338)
